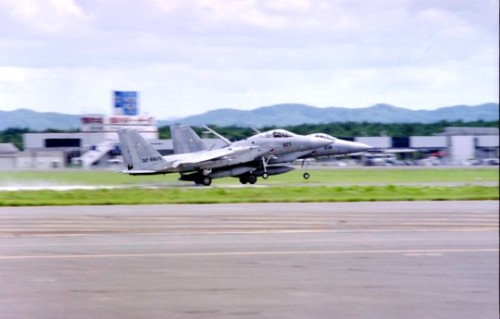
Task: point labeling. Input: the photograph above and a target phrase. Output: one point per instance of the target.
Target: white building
(12, 158)
(97, 140)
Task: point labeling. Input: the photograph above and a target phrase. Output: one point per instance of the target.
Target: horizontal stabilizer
(139, 172)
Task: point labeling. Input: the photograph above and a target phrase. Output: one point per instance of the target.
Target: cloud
(39, 17)
(193, 55)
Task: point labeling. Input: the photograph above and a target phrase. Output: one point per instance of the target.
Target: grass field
(325, 185)
(339, 176)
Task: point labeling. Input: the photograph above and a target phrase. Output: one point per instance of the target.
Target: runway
(314, 260)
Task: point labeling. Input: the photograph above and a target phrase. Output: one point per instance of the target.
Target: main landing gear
(203, 180)
(248, 178)
(251, 178)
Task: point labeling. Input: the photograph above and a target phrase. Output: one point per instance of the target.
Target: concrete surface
(332, 260)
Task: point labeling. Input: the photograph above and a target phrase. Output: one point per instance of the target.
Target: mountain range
(296, 114)
(277, 115)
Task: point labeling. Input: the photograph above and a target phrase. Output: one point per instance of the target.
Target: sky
(186, 57)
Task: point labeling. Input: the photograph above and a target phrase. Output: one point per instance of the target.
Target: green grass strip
(338, 176)
(203, 195)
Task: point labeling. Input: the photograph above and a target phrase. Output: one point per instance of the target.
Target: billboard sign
(125, 103)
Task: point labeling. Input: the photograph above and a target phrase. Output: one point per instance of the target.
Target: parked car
(490, 161)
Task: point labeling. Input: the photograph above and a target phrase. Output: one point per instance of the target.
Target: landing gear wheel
(306, 175)
(206, 181)
(252, 179)
(265, 176)
(243, 179)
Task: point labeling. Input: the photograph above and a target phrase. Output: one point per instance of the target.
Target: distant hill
(278, 115)
(296, 114)
(24, 118)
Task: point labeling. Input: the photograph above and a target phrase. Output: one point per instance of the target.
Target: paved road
(332, 260)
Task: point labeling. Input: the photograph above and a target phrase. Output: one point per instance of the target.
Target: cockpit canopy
(325, 136)
(276, 134)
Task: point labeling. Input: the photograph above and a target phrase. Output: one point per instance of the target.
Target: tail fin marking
(138, 155)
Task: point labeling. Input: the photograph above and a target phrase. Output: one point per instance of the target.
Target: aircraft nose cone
(351, 147)
(361, 147)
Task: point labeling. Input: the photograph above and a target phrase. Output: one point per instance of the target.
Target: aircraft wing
(203, 156)
(139, 172)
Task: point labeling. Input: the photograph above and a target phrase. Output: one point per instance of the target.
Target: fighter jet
(141, 158)
(279, 142)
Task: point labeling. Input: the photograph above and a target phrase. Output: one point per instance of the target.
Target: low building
(11, 158)
(97, 145)
(8, 156)
(456, 145)
(466, 144)
(41, 159)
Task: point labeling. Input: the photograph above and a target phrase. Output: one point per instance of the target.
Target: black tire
(265, 176)
(243, 179)
(252, 179)
(306, 175)
(206, 180)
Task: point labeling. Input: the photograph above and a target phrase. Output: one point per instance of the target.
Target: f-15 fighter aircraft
(141, 158)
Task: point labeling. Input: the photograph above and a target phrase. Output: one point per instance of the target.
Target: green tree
(14, 136)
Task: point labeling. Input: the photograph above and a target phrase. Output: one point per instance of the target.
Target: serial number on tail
(152, 159)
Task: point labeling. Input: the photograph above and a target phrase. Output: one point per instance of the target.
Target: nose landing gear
(305, 163)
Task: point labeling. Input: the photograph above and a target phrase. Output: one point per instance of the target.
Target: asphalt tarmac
(331, 260)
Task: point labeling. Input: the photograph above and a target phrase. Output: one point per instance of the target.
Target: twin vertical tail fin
(138, 155)
(185, 140)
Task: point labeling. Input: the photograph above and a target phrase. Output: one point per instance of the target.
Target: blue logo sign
(125, 103)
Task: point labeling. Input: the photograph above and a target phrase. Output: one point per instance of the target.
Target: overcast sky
(186, 57)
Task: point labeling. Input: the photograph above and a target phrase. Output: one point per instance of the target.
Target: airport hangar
(96, 144)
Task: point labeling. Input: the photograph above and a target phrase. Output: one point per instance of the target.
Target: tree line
(337, 129)
(345, 129)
